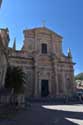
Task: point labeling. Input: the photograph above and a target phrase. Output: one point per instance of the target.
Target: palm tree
(15, 79)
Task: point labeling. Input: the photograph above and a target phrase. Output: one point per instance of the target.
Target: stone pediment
(41, 30)
(48, 31)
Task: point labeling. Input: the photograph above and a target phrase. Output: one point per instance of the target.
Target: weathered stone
(49, 73)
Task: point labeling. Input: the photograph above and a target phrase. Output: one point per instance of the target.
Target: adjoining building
(48, 71)
(0, 3)
(4, 40)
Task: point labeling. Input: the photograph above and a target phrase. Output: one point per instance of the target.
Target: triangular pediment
(43, 30)
(47, 30)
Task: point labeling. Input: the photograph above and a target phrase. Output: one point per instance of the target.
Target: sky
(64, 17)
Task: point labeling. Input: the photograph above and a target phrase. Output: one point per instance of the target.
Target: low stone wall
(19, 99)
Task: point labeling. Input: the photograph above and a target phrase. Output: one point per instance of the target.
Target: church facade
(48, 71)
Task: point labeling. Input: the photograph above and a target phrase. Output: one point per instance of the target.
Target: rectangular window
(44, 48)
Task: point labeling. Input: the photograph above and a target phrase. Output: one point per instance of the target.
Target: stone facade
(48, 71)
(4, 40)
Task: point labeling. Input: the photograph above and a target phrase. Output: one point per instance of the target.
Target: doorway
(44, 88)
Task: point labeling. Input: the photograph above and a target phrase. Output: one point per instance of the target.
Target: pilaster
(36, 66)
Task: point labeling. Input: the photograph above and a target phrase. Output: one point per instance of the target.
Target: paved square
(46, 114)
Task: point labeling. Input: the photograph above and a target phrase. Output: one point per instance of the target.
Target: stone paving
(47, 114)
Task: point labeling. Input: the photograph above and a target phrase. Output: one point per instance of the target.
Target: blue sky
(62, 16)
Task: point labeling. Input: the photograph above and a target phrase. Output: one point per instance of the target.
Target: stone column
(73, 86)
(49, 88)
(54, 63)
(56, 78)
(39, 87)
(36, 66)
(36, 81)
(64, 82)
(53, 44)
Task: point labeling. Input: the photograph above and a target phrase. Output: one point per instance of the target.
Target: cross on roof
(43, 23)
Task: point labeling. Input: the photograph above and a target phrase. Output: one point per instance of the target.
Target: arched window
(44, 48)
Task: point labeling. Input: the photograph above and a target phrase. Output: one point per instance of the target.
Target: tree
(15, 79)
(79, 76)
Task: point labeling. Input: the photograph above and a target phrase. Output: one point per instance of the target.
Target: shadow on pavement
(37, 114)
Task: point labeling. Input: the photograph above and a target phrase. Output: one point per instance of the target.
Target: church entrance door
(44, 88)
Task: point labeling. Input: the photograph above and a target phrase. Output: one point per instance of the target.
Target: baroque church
(48, 71)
